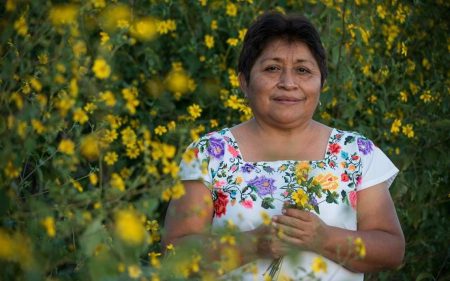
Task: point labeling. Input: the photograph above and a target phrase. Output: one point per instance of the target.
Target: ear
(242, 83)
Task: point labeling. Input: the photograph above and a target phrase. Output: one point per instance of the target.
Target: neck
(266, 130)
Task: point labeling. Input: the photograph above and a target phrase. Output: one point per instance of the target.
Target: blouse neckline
(228, 132)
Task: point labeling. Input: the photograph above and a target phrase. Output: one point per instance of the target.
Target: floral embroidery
(364, 146)
(216, 148)
(263, 185)
(220, 203)
(255, 185)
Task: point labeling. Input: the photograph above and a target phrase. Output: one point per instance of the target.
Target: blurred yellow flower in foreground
(144, 29)
(117, 182)
(129, 227)
(49, 224)
(16, 248)
(319, 265)
(90, 147)
(177, 81)
(66, 146)
(101, 68)
(113, 16)
(360, 247)
(63, 14)
(134, 271)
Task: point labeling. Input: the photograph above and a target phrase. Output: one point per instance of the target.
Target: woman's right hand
(268, 245)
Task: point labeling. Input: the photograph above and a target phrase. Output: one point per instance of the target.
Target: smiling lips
(288, 100)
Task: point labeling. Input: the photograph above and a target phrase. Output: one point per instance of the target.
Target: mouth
(288, 100)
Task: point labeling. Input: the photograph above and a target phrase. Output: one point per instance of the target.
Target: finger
(283, 229)
(299, 214)
(289, 221)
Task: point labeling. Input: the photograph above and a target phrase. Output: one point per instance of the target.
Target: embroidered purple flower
(263, 185)
(216, 148)
(313, 201)
(365, 146)
(247, 168)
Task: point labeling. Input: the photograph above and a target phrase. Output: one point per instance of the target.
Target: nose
(287, 80)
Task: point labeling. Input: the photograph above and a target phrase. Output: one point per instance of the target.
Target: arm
(189, 220)
(378, 227)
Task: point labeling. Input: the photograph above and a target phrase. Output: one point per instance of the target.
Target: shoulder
(212, 144)
(354, 141)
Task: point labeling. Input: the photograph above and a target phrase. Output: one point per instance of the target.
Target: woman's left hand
(301, 228)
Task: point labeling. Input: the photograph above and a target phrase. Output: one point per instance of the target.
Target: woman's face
(284, 85)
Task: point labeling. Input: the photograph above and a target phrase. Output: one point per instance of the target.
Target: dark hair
(273, 25)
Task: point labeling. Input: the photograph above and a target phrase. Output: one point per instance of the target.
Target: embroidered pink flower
(219, 184)
(220, 204)
(345, 177)
(334, 148)
(233, 151)
(247, 204)
(352, 197)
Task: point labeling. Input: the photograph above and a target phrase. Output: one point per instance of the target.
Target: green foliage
(84, 83)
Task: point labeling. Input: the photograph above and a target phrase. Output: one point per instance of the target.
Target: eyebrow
(280, 60)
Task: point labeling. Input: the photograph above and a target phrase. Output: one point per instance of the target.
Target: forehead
(286, 49)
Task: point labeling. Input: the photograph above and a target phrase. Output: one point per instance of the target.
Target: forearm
(381, 249)
(226, 252)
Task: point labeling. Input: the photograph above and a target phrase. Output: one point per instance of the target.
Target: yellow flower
(209, 41)
(38, 126)
(360, 247)
(214, 25)
(381, 11)
(114, 16)
(403, 96)
(134, 271)
(213, 123)
(93, 179)
(232, 41)
(129, 227)
(177, 81)
(170, 167)
(117, 182)
(408, 130)
(178, 190)
(327, 181)
(231, 9)
(144, 29)
(108, 98)
(301, 170)
(395, 127)
(160, 130)
(234, 80)
(242, 33)
(300, 197)
(77, 185)
(98, 3)
(110, 158)
(133, 152)
(101, 68)
(129, 137)
(80, 116)
(21, 26)
(426, 96)
(265, 218)
(11, 171)
(154, 261)
(166, 26)
(319, 265)
(49, 224)
(63, 14)
(90, 147)
(194, 111)
(66, 146)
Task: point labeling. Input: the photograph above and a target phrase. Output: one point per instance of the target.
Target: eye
(302, 70)
(272, 68)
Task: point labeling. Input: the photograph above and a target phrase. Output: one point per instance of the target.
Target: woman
(239, 174)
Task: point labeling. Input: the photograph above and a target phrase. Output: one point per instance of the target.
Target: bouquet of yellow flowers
(303, 195)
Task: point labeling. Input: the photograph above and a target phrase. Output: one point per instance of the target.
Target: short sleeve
(194, 164)
(376, 168)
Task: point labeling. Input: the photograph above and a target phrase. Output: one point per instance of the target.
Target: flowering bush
(99, 99)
